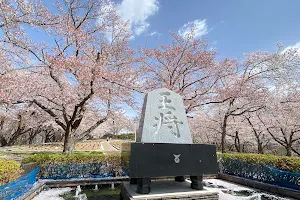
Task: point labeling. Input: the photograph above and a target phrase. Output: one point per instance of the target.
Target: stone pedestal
(143, 185)
(164, 146)
(150, 160)
(168, 189)
(196, 182)
(179, 178)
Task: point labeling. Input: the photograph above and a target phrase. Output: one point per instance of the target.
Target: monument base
(168, 189)
(151, 160)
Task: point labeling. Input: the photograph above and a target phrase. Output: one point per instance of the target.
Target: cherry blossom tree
(188, 67)
(281, 120)
(119, 122)
(238, 135)
(85, 63)
(240, 94)
(51, 133)
(45, 132)
(246, 90)
(257, 128)
(204, 127)
(17, 121)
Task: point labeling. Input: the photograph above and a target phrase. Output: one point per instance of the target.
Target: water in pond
(103, 192)
(243, 193)
(232, 191)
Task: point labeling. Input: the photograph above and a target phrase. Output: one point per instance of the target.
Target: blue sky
(232, 27)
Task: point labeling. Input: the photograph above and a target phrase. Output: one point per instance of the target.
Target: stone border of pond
(42, 183)
(35, 190)
(261, 186)
(72, 182)
(86, 181)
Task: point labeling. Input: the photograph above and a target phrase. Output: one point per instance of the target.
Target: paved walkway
(106, 147)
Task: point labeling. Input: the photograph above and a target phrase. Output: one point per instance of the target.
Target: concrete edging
(93, 181)
(262, 186)
(87, 181)
(36, 189)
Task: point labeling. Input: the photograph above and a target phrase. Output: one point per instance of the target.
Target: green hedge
(9, 170)
(127, 136)
(43, 159)
(59, 165)
(61, 158)
(285, 163)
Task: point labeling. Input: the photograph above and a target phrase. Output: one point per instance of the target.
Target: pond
(87, 192)
(227, 191)
(232, 191)
(90, 193)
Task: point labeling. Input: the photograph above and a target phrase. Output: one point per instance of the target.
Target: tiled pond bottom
(227, 191)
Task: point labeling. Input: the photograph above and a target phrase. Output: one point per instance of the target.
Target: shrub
(125, 136)
(59, 165)
(76, 158)
(109, 135)
(9, 170)
(129, 136)
(285, 163)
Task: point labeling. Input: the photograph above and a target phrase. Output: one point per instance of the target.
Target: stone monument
(163, 119)
(164, 145)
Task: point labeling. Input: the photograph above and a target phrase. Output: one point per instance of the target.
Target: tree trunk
(260, 149)
(68, 142)
(237, 143)
(14, 137)
(288, 150)
(3, 141)
(47, 139)
(224, 125)
(49, 136)
(32, 135)
(20, 130)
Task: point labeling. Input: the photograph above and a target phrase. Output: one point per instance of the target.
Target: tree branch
(51, 113)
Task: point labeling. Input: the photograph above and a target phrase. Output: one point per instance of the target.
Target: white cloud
(297, 45)
(154, 33)
(199, 27)
(137, 12)
(140, 28)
